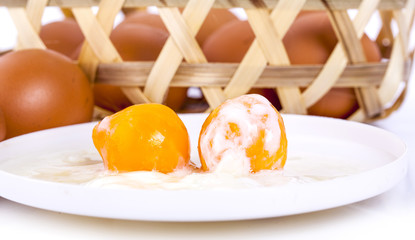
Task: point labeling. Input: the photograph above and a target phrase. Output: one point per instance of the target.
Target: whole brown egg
(42, 89)
(63, 36)
(310, 40)
(2, 126)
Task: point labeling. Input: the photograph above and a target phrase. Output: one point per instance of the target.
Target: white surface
(388, 216)
(375, 156)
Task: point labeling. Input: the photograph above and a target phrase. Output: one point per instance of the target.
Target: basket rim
(247, 4)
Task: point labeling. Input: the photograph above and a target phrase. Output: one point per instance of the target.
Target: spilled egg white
(86, 168)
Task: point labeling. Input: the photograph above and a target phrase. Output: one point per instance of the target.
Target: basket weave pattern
(378, 86)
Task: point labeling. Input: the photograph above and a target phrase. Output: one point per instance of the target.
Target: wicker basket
(380, 87)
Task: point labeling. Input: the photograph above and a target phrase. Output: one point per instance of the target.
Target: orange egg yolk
(245, 133)
(143, 137)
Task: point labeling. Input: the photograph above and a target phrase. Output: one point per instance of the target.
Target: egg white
(86, 168)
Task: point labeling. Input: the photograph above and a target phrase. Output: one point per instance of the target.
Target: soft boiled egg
(243, 135)
(143, 137)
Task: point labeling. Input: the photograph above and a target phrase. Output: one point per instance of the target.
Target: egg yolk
(143, 137)
(245, 134)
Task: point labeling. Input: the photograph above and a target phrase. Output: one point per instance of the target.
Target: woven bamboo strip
(358, 116)
(399, 52)
(332, 69)
(101, 45)
(403, 31)
(254, 62)
(105, 16)
(270, 4)
(87, 58)
(135, 95)
(388, 91)
(268, 39)
(170, 57)
(389, 88)
(182, 35)
(274, 51)
(28, 37)
(367, 97)
(34, 10)
(219, 75)
(338, 60)
(96, 36)
(394, 71)
(347, 36)
(366, 10)
(409, 13)
(291, 100)
(245, 77)
(161, 75)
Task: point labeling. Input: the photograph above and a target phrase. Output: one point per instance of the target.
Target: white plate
(378, 152)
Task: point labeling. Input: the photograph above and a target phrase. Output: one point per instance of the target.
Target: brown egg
(310, 40)
(137, 42)
(313, 32)
(62, 36)
(215, 19)
(2, 126)
(230, 44)
(41, 89)
(146, 18)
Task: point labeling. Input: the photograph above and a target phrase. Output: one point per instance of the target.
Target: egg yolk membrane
(245, 134)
